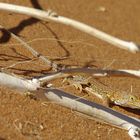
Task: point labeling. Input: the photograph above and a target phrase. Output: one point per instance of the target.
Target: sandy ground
(24, 118)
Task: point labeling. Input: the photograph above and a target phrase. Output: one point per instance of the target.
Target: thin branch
(17, 63)
(93, 72)
(80, 41)
(18, 83)
(34, 52)
(43, 15)
(95, 110)
(52, 76)
(104, 73)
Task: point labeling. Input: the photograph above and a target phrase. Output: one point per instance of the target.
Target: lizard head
(128, 100)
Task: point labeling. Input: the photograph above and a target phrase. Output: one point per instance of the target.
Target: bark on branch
(52, 16)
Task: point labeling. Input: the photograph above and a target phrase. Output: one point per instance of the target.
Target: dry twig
(95, 110)
(34, 52)
(49, 15)
(73, 102)
(94, 72)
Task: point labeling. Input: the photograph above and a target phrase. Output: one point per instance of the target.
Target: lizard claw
(78, 86)
(76, 81)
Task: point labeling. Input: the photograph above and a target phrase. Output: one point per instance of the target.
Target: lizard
(108, 95)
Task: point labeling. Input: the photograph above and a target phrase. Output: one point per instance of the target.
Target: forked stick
(31, 85)
(93, 72)
(18, 83)
(104, 72)
(43, 15)
(34, 52)
(95, 110)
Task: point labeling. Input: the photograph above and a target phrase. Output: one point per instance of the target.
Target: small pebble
(101, 9)
(49, 85)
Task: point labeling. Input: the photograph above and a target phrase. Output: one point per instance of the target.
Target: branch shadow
(90, 64)
(20, 54)
(5, 37)
(29, 72)
(27, 22)
(67, 53)
(135, 111)
(60, 97)
(5, 57)
(19, 57)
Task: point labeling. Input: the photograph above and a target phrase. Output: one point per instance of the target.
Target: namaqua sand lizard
(108, 95)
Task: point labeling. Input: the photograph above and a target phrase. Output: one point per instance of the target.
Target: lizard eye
(132, 98)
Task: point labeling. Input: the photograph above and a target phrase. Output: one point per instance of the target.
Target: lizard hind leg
(103, 97)
(106, 101)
